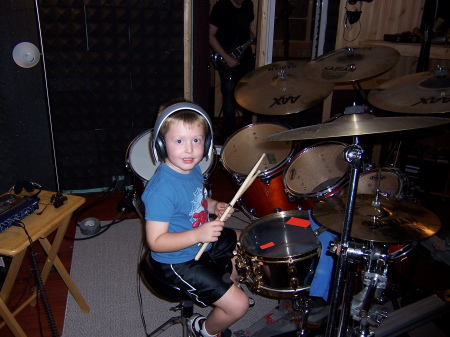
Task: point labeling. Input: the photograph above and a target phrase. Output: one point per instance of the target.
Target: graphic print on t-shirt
(199, 212)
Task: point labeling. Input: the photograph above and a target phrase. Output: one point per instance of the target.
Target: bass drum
(139, 160)
(242, 151)
(278, 254)
(317, 172)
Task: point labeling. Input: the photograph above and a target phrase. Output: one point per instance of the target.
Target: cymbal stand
(362, 95)
(353, 155)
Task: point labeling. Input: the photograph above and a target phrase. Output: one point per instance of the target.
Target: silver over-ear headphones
(157, 142)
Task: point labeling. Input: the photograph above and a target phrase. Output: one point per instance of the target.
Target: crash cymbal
(393, 221)
(350, 64)
(420, 93)
(280, 88)
(355, 124)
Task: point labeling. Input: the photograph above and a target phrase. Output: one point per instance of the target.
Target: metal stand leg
(353, 155)
(303, 305)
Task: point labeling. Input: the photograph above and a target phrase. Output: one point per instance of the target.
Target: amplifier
(13, 208)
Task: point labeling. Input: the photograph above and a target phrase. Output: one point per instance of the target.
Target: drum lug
(266, 181)
(294, 283)
(256, 270)
(238, 179)
(291, 198)
(258, 281)
(292, 272)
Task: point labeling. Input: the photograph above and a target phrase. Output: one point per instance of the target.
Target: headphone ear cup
(28, 186)
(18, 187)
(207, 143)
(160, 146)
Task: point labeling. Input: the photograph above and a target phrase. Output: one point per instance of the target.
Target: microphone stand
(353, 155)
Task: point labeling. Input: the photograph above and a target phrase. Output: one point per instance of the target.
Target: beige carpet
(105, 270)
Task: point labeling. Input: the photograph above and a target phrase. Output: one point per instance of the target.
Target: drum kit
(278, 253)
(368, 211)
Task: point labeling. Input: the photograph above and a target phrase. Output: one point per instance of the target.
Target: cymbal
(394, 221)
(419, 93)
(358, 124)
(280, 88)
(350, 64)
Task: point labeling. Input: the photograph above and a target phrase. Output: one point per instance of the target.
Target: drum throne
(161, 288)
(168, 293)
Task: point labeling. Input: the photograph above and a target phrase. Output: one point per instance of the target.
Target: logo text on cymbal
(432, 100)
(283, 100)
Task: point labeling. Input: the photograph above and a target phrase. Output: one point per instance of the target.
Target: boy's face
(185, 146)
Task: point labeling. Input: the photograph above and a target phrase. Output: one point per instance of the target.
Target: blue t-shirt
(181, 200)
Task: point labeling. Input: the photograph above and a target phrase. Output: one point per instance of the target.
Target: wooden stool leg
(67, 279)
(10, 320)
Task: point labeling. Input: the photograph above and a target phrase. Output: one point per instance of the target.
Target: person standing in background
(229, 29)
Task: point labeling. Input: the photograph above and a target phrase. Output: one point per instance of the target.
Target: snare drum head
(245, 147)
(317, 170)
(280, 236)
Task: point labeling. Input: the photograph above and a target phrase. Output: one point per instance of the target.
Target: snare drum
(139, 159)
(391, 182)
(316, 172)
(277, 255)
(240, 153)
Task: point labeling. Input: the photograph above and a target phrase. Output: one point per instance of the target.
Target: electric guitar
(219, 62)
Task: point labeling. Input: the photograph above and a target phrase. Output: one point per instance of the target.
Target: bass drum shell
(278, 254)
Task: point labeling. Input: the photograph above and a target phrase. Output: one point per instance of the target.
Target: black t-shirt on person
(233, 24)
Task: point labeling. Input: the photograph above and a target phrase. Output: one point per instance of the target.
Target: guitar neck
(248, 43)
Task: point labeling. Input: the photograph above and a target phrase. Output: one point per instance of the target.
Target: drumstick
(241, 191)
(247, 182)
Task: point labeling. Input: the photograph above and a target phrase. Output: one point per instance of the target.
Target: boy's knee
(242, 306)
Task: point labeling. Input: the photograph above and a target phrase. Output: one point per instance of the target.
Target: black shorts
(207, 279)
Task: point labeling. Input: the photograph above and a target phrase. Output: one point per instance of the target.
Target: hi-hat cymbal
(420, 93)
(357, 124)
(351, 64)
(394, 221)
(280, 88)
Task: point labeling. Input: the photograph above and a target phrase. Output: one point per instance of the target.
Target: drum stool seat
(169, 293)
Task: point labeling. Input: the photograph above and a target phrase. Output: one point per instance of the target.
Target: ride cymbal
(420, 93)
(351, 64)
(280, 88)
(393, 221)
(356, 124)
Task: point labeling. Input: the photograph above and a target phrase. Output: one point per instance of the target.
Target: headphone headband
(169, 111)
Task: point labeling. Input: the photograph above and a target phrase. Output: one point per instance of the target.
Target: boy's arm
(160, 240)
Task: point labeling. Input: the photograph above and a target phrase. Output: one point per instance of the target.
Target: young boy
(177, 211)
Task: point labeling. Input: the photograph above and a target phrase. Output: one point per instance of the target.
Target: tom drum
(316, 172)
(240, 153)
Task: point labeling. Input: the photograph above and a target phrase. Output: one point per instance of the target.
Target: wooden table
(14, 243)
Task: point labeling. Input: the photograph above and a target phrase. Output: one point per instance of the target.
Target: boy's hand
(220, 209)
(209, 231)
